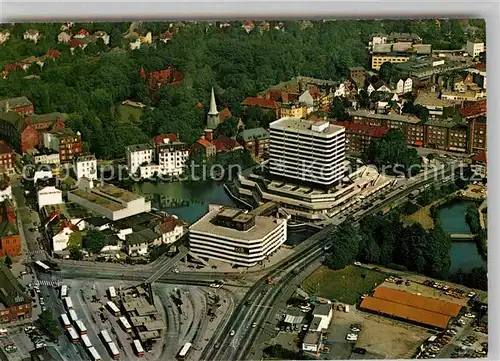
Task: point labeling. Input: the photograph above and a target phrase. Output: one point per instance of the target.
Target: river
(464, 255)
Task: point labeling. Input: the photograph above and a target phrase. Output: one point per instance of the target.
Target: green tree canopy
(94, 241)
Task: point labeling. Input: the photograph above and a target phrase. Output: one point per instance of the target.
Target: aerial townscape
(243, 190)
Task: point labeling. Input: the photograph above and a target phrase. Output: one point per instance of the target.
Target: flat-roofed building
(304, 150)
(15, 304)
(233, 236)
(107, 200)
(138, 155)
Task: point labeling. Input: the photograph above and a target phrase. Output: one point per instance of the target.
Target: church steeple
(213, 104)
(213, 114)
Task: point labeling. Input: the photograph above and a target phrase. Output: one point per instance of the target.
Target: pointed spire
(213, 105)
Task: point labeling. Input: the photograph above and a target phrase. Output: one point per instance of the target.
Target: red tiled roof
(167, 35)
(168, 76)
(225, 144)
(479, 108)
(54, 53)
(480, 157)
(357, 128)
(168, 224)
(10, 67)
(248, 22)
(224, 113)
(480, 66)
(82, 32)
(204, 142)
(314, 93)
(5, 149)
(73, 43)
(260, 102)
(171, 136)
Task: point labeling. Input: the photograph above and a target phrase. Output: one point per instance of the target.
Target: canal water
(464, 255)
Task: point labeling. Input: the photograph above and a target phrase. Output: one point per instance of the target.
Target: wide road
(262, 297)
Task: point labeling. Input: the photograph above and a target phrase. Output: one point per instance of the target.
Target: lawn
(422, 216)
(126, 111)
(345, 285)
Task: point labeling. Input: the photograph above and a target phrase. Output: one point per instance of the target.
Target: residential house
(81, 34)
(206, 146)
(468, 95)
(404, 86)
(103, 36)
(359, 136)
(293, 109)
(266, 105)
(137, 243)
(67, 26)
(134, 43)
(357, 72)
(225, 144)
(75, 43)
(157, 79)
(21, 105)
(379, 86)
(170, 228)
(255, 141)
(166, 36)
(138, 155)
(64, 37)
(147, 39)
(10, 240)
(61, 232)
(85, 166)
(54, 54)
(16, 303)
(4, 36)
(7, 158)
(32, 35)
(431, 101)
(226, 113)
(64, 141)
(248, 26)
(45, 156)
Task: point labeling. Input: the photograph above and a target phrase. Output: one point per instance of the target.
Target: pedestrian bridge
(462, 236)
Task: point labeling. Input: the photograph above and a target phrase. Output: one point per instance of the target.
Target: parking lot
(380, 336)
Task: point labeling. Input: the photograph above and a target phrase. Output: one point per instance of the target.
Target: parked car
(470, 315)
(232, 333)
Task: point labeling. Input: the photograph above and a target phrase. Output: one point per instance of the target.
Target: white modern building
(107, 200)
(312, 342)
(474, 48)
(43, 172)
(47, 158)
(85, 166)
(5, 191)
(48, 196)
(404, 86)
(305, 150)
(139, 155)
(322, 316)
(235, 236)
(172, 157)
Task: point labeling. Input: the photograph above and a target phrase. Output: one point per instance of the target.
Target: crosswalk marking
(47, 283)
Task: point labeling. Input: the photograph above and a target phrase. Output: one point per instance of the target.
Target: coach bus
(64, 291)
(68, 303)
(139, 351)
(81, 327)
(94, 355)
(114, 310)
(73, 335)
(86, 341)
(65, 320)
(113, 350)
(73, 316)
(43, 267)
(184, 351)
(125, 324)
(105, 336)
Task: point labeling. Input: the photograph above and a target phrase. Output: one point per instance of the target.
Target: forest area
(91, 83)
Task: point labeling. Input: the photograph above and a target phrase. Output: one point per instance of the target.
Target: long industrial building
(234, 236)
(410, 307)
(305, 150)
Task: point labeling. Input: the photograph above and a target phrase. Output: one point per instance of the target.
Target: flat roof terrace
(263, 226)
(304, 126)
(118, 193)
(98, 199)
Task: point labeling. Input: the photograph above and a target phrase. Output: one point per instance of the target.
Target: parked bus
(105, 336)
(68, 303)
(139, 351)
(73, 335)
(64, 291)
(73, 316)
(111, 292)
(114, 310)
(65, 320)
(184, 350)
(81, 327)
(42, 266)
(86, 341)
(94, 355)
(125, 324)
(113, 351)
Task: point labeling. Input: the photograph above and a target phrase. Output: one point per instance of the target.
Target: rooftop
(263, 225)
(426, 98)
(254, 133)
(394, 117)
(11, 292)
(139, 147)
(84, 157)
(448, 123)
(15, 103)
(322, 309)
(8, 223)
(305, 126)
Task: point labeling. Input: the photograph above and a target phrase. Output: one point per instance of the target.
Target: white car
(470, 315)
(254, 324)
(232, 333)
(357, 263)
(176, 270)
(471, 294)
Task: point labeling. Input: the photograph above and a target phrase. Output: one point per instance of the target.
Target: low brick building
(66, 142)
(21, 105)
(255, 141)
(15, 305)
(359, 136)
(7, 157)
